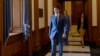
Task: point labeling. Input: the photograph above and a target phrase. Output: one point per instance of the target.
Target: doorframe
(90, 21)
(89, 16)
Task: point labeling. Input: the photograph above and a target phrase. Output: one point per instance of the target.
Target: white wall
(50, 10)
(41, 20)
(32, 15)
(94, 12)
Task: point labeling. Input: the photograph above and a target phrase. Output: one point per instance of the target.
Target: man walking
(57, 31)
(67, 17)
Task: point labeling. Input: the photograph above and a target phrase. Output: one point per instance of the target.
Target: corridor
(74, 47)
(25, 24)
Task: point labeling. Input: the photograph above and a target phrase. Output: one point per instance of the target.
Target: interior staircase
(74, 37)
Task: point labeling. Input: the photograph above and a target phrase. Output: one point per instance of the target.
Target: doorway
(74, 9)
(77, 8)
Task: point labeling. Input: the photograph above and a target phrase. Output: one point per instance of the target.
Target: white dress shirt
(57, 15)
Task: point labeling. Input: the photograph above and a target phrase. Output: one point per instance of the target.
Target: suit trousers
(57, 38)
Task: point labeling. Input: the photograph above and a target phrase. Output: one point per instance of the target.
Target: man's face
(65, 13)
(82, 15)
(56, 10)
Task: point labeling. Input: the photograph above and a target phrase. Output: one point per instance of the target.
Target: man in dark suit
(57, 31)
(67, 17)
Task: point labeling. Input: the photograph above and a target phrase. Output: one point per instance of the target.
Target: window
(17, 16)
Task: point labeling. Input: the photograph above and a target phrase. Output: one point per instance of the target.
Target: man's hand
(64, 35)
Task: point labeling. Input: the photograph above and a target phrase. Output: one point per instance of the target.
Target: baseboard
(43, 50)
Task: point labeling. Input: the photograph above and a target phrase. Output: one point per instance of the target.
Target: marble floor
(73, 51)
(72, 54)
(74, 47)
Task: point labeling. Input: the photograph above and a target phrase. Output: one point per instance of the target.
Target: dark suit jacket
(68, 23)
(85, 24)
(60, 27)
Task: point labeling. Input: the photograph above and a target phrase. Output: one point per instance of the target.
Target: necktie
(56, 20)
